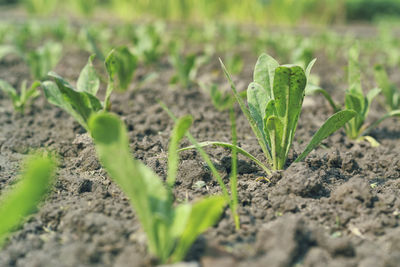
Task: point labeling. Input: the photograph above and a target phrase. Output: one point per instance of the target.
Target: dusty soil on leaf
(340, 207)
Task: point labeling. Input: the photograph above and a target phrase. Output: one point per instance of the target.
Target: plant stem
(233, 179)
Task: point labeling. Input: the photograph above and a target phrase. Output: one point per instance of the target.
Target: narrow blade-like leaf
(9, 90)
(369, 98)
(230, 146)
(179, 131)
(354, 72)
(309, 67)
(334, 123)
(393, 113)
(275, 129)
(388, 89)
(257, 99)
(88, 80)
(259, 135)
(36, 179)
(313, 89)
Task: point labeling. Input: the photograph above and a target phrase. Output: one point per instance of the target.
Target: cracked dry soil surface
(340, 207)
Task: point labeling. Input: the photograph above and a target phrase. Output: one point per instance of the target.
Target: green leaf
(309, 67)
(334, 123)
(55, 97)
(44, 59)
(204, 214)
(289, 86)
(233, 176)
(388, 89)
(82, 104)
(32, 92)
(88, 80)
(393, 113)
(264, 72)
(15, 205)
(164, 225)
(10, 91)
(179, 131)
(181, 217)
(220, 100)
(275, 129)
(120, 65)
(354, 72)
(259, 134)
(148, 196)
(208, 161)
(257, 99)
(369, 98)
(355, 102)
(313, 89)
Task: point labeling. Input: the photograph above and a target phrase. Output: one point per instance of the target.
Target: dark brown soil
(338, 208)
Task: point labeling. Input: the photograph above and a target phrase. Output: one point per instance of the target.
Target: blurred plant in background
(252, 11)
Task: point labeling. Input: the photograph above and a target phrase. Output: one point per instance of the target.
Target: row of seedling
(274, 104)
(150, 43)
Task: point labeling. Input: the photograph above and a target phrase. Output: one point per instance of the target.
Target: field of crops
(188, 133)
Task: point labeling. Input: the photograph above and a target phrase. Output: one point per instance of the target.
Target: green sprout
(82, 102)
(390, 92)
(232, 198)
(16, 204)
(43, 59)
(40, 60)
(274, 104)
(148, 42)
(186, 66)
(96, 40)
(219, 99)
(170, 229)
(356, 128)
(21, 100)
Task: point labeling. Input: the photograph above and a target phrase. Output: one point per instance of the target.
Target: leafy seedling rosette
(82, 102)
(274, 102)
(357, 129)
(170, 229)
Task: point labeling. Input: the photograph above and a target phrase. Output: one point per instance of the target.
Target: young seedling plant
(356, 128)
(44, 59)
(390, 92)
(15, 205)
(148, 42)
(186, 66)
(82, 102)
(274, 100)
(20, 100)
(170, 230)
(40, 60)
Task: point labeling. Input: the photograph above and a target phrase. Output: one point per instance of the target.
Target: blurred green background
(248, 11)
